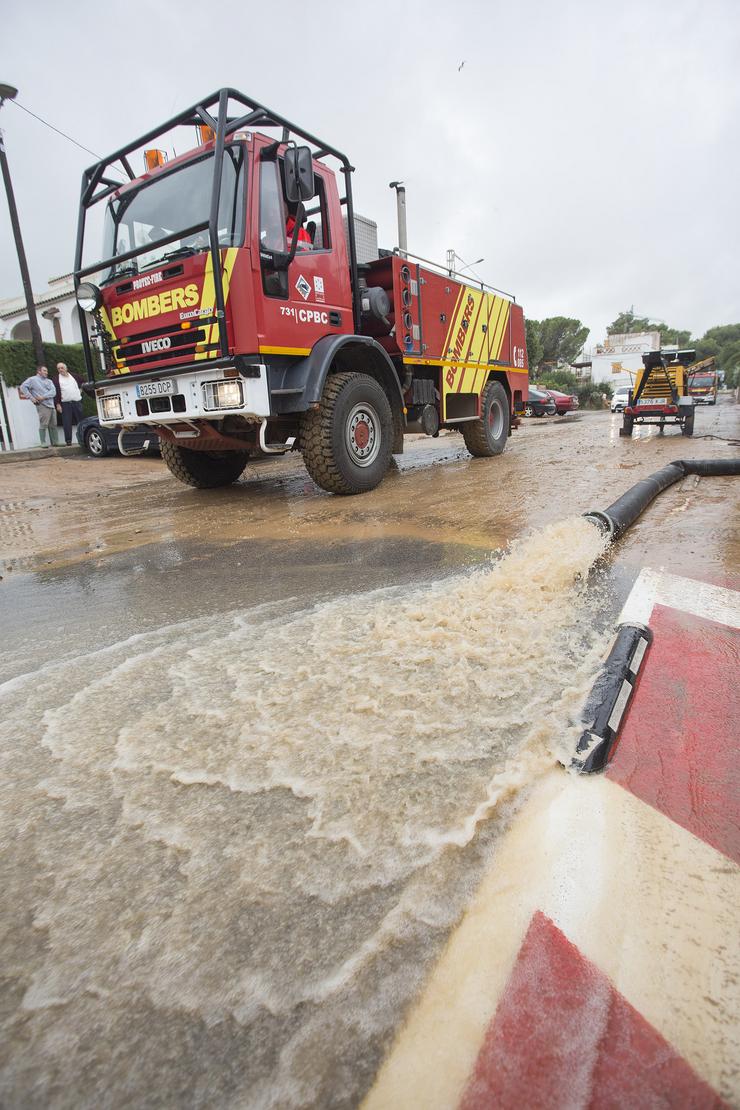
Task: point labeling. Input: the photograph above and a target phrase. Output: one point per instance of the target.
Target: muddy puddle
(233, 846)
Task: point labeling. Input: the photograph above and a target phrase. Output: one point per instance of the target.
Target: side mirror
(299, 183)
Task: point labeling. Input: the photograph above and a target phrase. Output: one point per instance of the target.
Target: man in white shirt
(70, 401)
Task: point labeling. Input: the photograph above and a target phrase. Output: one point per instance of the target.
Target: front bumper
(185, 396)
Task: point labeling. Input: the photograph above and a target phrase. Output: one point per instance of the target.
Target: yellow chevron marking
(496, 317)
(475, 321)
(504, 330)
(228, 267)
(114, 339)
(499, 338)
(478, 351)
(207, 300)
(453, 318)
(208, 297)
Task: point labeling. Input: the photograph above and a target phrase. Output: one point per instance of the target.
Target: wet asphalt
(192, 854)
(92, 551)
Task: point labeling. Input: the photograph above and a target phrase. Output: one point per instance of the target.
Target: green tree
(628, 322)
(562, 337)
(534, 344)
(731, 363)
(723, 342)
(673, 335)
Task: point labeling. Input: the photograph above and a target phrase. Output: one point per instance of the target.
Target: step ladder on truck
(232, 329)
(661, 393)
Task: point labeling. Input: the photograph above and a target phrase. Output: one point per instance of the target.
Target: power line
(53, 128)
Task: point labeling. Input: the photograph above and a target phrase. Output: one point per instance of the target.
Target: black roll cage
(97, 185)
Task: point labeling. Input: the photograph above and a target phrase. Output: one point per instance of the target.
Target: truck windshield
(702, 380)
(174, 202)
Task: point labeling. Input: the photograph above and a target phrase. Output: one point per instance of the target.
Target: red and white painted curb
(598, 963)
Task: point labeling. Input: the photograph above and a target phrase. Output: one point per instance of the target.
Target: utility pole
(7, 92)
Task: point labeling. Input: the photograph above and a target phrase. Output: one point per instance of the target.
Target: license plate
(653, 401)
(155, 389)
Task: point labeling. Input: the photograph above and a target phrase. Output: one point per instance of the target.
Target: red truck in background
(228, 329)
(703, 381)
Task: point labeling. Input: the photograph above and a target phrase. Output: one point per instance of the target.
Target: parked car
(620, 398)
(564, 402)
(99, 441)
(539, 404)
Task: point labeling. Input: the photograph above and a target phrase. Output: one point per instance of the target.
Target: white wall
(22, 417)
(617, 369)
(70, 325)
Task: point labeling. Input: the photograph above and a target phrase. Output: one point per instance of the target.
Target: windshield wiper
(182, 252)
(179, 252)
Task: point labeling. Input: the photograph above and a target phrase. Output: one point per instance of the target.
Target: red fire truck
(703, 381)
(222, 322)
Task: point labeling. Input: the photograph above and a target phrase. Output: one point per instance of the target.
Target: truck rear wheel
(687, 428)
(347, 441)
(203, 469)
(627, 423)
(487, 436)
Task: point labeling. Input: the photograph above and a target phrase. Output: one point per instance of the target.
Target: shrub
(17, 362)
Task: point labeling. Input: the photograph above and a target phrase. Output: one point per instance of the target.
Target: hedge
(17, 362)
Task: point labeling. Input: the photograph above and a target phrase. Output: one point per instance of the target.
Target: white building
(56, 310)
(619, 357)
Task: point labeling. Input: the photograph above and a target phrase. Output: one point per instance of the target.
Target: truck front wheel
(347, 441)
(203, 469)
(487, 436)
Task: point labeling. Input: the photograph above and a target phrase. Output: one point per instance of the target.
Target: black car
(539, 404)
(99, 441)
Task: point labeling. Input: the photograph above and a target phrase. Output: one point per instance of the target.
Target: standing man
(42, 392)
(71, 401)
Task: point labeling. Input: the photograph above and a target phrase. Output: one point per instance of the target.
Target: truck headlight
(223, 395)
(112, 408)
(89, 297)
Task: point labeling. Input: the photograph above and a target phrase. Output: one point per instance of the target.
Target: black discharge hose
(616, 519)
(605, 708)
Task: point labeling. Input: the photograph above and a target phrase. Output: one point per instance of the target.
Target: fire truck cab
(230, 312)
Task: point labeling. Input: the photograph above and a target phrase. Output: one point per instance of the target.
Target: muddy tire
(487, 436)
(203, 469)
(687, 428)
(347, 441)
(627, 425)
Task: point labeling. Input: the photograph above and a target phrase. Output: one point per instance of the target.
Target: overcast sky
(589, 152)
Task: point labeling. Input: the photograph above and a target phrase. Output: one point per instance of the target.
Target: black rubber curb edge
(610, 695)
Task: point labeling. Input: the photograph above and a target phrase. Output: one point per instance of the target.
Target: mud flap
(612, 691)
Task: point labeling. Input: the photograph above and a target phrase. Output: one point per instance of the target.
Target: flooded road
(258, 744)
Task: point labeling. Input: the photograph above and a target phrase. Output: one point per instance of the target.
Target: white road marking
(702, 599)
(651, 905)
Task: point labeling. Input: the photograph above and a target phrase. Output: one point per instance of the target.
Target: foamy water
(233, 845)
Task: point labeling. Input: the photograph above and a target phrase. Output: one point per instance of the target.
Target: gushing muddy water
(232, 846)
